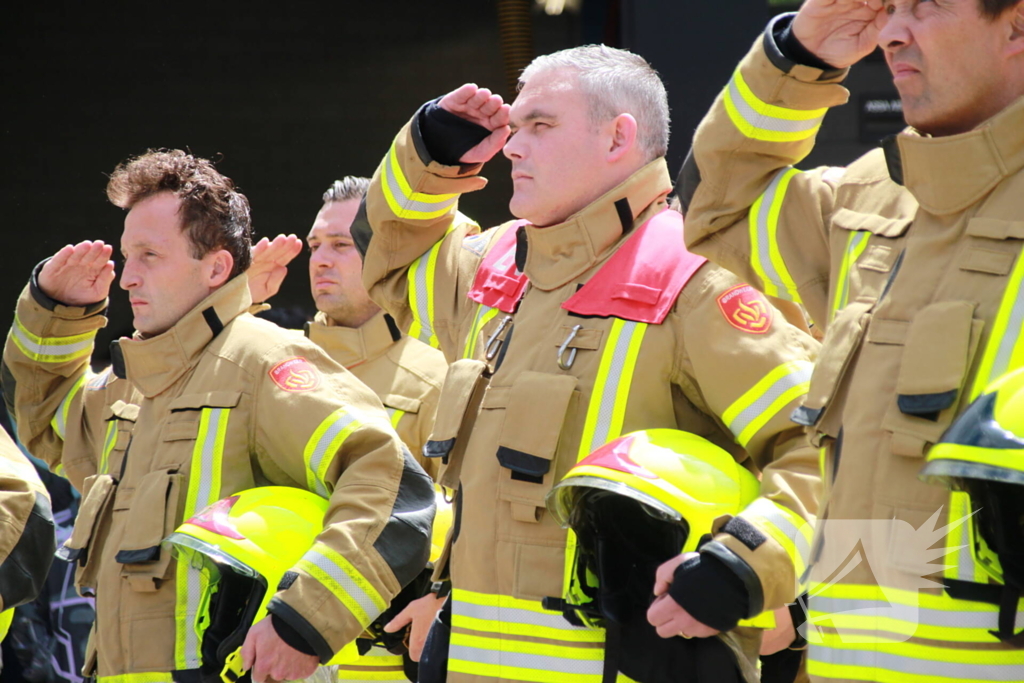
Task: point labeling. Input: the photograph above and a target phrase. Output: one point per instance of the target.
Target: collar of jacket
(561, 252)
(351, 346)
(153, 364)
(947, 175)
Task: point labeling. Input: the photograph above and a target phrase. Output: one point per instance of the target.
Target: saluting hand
(270, 259)
(839, 32)
(78, 275)
(484, 108)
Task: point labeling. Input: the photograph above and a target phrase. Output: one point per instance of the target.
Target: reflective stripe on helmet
(765, 256)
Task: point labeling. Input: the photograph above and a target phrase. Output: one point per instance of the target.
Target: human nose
(896, 33)
(130, 276)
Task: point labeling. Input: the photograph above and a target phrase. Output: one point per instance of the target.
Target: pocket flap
(456, 392)
(403, 403)
(152, 511)
(533, 419)
(97, 496)
(122, 411)
(873, 223)
(210, 399)
(995, 229)
(936, 354)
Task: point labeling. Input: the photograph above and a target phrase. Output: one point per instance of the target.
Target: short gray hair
(349, 187)
(615, 82)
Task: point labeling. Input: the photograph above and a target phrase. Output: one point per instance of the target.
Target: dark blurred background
(290, 96)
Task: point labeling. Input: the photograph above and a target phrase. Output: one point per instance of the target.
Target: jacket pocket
(535, 410)
(941, 342)
(460, 395)
(97, 500)
(152, 514)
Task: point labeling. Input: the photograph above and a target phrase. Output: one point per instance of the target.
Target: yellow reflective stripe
(376, 665)
(855, 245)
(405, 203)
(503, 614)
(754, 409)
(60, 418)
(960, 562)
(1004, 350)
(395, 415)
(788, 529)
(204, 485)
(323, 445)
(51, 349)
(152, 677)
(506, 660)
(421, 295)
(344, 581)
(607, 408)
(765, 256)
(109, 439)
(757, 119)
(484, 314)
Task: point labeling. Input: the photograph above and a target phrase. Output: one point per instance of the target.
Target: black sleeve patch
(747, 534)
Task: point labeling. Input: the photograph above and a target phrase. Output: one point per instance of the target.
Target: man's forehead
(547, 94)
(334, 220)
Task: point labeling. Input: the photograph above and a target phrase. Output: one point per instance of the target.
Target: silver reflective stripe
(945, 670)
(320, 451)
(766, 122)
(764, 242)
(796, 377)
(50, 349)
(330, 568)
(193, 598)
(408, 204)
(422, 287)
(611, 387)
(526, 661)
(512, 615)
(766, 510)
(204, 495)
(908, 613)
(1009, 339)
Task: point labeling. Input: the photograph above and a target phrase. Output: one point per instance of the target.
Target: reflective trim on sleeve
(484, 315)
(787, 528)
(855, 246)
(322, 446)
(60, 418)
(757, 119)
(51, 349)
(405, 203)
(376, 665)
(776, 390)
(395, 415)
(765, 256)
(1004, 350)
(204, 485)
(344, 581)
(421, 295)
(109, 439)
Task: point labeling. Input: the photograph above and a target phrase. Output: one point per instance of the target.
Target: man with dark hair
(204, 401)
(911, 259)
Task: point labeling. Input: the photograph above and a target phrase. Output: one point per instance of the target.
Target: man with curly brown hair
(204, 401)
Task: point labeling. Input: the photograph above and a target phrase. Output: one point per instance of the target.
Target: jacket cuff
(50, 304)
(786, 52)
(712, 594)
(301, 631)
(441, 136)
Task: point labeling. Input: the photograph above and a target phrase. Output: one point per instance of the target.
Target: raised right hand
(78, 275)
(483, 108)
(839, 32)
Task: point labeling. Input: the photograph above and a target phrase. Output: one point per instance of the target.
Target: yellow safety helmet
(982, 453)
(5, 622)
(633, 504)
(244, 544)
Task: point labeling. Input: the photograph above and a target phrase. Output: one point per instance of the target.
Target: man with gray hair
(582, 321)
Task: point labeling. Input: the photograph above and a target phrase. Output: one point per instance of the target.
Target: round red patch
(746, 309)
(295, 374)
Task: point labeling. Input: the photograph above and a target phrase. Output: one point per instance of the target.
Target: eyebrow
(330, 235)
(533, 116)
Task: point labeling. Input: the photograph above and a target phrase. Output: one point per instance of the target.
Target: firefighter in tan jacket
(587, 322)
(911, 258)
(203, 402)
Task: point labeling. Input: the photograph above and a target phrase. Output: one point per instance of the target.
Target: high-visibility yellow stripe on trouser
(203, 490)
(773, 392)
(757, 119)
(484, 314)
(376, 665)
(855, 246)
(323, 445)
(488, 634)
(1005, 349)
(405, 203)
(148, 677)
(344, 581)
(765, 256)
(51, 349)
(60, 418)
(786, 527)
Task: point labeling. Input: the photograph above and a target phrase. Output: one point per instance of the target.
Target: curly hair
(214, 215)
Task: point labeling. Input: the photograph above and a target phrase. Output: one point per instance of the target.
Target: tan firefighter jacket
(405, 373)
(914, 267)
(26, 529)
(220, 403)
(507, 396)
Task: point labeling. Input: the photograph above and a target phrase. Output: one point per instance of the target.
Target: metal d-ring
(567, 364)
(493, 343)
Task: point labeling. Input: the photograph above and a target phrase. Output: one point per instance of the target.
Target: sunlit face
(948, 62)
(164, 281)
(335, 267)
(558, 156)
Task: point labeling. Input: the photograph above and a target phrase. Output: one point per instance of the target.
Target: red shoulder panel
(497, 283)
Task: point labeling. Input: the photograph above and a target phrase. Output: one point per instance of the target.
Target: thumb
(401, 620)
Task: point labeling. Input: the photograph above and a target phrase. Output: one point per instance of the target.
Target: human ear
(1017, 29)
(221, 263)
(623, 136)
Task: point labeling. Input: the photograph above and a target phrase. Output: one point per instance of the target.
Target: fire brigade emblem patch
(746, 309)
(295, 374)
